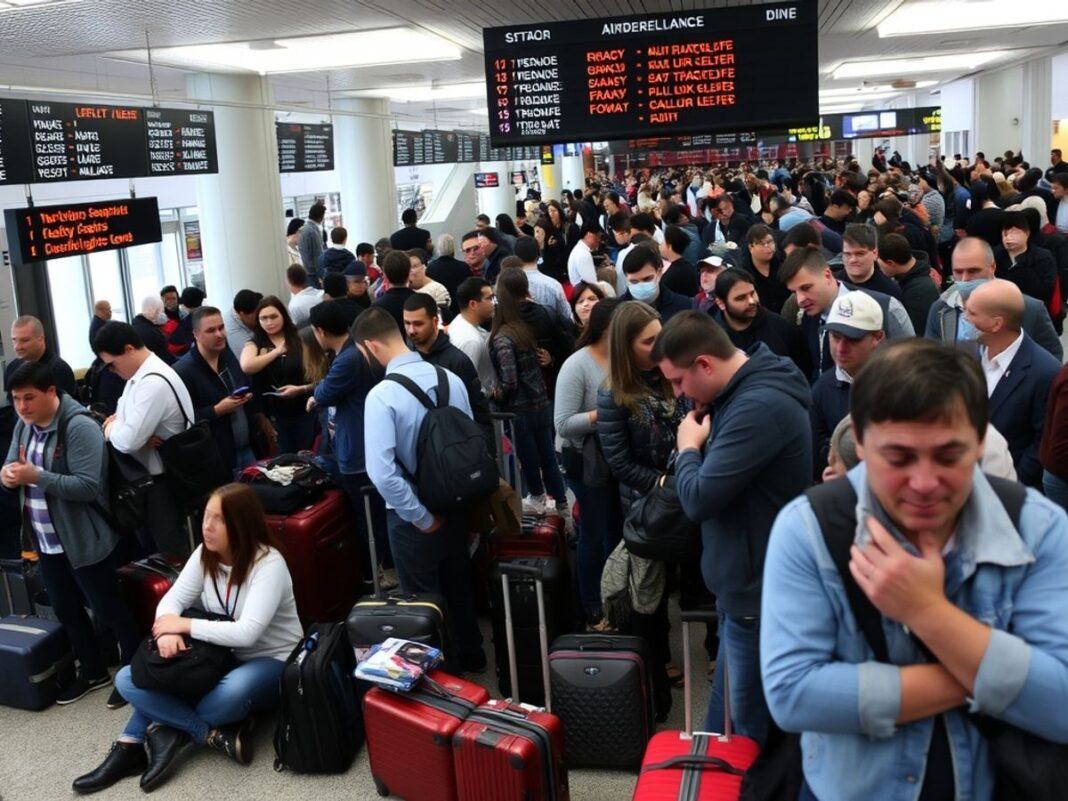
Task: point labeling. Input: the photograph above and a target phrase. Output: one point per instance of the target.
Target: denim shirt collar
(412, 357)
(984, 533)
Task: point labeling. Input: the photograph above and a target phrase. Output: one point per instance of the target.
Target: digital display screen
(429, 146)
(487, 180)
(305, 148)
(892, 122)
(180, 141)
(653, 75)
(15, 164)
(56, 232)
(73, 141)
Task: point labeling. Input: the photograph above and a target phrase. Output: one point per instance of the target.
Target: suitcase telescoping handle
(500, 421)
(367, 492)
(510, 569)
(701, 616)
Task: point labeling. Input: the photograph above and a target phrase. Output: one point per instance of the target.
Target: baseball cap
(355, 269)
(711, 263)
(855, 314)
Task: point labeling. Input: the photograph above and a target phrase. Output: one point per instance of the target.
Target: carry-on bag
(319, 726)
(20, 581)
(35, 661)
(602, 691)
(695, 766)
(143, 584)
(509, 750)
(410, 736)
(322, 552)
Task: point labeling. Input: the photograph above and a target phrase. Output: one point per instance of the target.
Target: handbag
(190, 674)
(191, 458)
(656, 527)
(595, 469)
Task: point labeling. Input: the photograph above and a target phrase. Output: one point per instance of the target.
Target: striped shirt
(36, 504)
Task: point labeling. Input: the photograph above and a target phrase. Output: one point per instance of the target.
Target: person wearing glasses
(761, 259)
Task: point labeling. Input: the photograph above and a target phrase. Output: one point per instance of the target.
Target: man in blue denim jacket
(937, 554)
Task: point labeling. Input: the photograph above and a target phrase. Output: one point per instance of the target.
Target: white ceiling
(62, 46)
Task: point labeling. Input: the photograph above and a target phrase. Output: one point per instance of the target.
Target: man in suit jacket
(1018, 372)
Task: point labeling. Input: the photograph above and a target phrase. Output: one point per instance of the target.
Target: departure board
(305, 148)
(15, 165)
(41, 233)
(705, 70)
(180, 141)
(74, 141)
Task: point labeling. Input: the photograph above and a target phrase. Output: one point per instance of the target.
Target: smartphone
(240, 391)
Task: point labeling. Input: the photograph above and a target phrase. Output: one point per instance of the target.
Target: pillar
(363, 153)
(574, 173)
(499, 199)
(241, 220)
(1036, 124)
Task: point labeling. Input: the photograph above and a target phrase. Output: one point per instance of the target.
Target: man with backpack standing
(914, 592)
(429, 547)
(56, 462)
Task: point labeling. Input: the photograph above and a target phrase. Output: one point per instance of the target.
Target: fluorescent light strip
(472, 90)
(861, 92)
(332, 51)
(911, 66)
(18, 5)
(952, 16)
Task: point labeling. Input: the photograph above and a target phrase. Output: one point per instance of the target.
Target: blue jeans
(251, 687)
(599, 531)
(295, 432)
(537, 455)
(438, 563)
(739, 649)
(1056, 488)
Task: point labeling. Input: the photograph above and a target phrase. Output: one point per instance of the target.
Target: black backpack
(455, 466)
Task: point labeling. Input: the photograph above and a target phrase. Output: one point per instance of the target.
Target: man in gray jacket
(973, 264)
(58, 465)
(311, 243)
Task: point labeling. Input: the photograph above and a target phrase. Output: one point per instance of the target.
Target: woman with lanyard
(237, 573)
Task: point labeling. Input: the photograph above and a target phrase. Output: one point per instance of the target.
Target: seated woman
(238, 571)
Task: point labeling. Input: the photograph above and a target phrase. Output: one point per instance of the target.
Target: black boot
(165, 746)
(233, 741)
(123, 760)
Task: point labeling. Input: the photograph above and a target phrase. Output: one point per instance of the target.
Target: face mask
(966, 287)
(644, 291)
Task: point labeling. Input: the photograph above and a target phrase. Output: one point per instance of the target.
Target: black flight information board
(305, 148)
(429, 146)
(72, 141)
(55, 232)
(735, 68)
(180, 141)
(15, 164)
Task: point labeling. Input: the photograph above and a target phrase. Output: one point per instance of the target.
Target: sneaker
(534, 505)
(116, 701)
(81, 688)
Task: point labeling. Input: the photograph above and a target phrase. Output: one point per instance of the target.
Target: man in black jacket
(424, 336)
(212, 374)
(397, 267)
(448, 270)
(410, 236)
(731, 225)
(336, 257)
(738, 311)
(642, 268)
(680, 275)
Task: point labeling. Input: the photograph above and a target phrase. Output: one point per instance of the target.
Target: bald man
(1018, 372)
(973, 262)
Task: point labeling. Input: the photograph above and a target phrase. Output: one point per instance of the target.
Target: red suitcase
(695, 766)
(322, 553)
(505, 750)
(144, 583)
(410, 735)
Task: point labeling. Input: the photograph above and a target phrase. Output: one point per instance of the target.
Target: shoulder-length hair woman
(634, 329)
(512, 290)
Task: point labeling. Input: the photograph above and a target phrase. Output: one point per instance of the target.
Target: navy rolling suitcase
(35, 661)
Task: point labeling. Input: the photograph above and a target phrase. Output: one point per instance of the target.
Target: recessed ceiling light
(304, 53)
(471, 90)
(911, 66)
(943, 16)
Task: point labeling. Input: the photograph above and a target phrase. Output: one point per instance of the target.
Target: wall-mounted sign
(487, 180)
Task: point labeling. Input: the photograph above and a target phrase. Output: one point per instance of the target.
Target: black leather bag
(595, 469)
(191, 459)
(657, 528)
(190, 674)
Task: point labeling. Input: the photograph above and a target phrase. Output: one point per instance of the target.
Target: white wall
(999, 109)
(1060, 86)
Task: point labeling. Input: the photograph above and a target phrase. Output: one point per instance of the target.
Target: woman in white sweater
(240, 573)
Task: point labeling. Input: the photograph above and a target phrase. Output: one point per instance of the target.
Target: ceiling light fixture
(305, 53)
(16, 5)
(861, 92)
(911, 66)
(471, 90)
(944, 16)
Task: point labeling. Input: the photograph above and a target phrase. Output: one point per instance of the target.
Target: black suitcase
(602, 691)
(320, 728)
(20, 582)
(35, 661)
(524, 603)
(375, 618)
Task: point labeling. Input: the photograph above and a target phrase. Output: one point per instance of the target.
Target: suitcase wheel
(380, 786)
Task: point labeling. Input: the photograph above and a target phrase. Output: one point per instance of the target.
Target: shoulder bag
(656, 527)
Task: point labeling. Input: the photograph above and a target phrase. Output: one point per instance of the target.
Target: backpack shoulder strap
(174, 392)
(834, 505)
(1012, 496)
(412, 387)
(443, 387)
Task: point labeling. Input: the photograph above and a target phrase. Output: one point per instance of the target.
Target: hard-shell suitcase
(35, 661)
(410, 735)
(509, 750)
(144, 583)
(602, 691)
(375, 618)
(321, 550)
(523, 607)
(20, 581)
(319, 725)
(695, 766)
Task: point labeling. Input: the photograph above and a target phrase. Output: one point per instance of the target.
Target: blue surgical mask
(966, 287)
(966, 332)
(645, 291)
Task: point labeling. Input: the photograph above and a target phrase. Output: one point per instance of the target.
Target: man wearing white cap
(854, 329)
